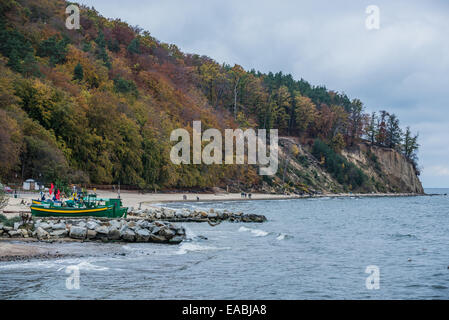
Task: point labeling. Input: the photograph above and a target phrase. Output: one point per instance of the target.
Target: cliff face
(386, 170)
(390, 169)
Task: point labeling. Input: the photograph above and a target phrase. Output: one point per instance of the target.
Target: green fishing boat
(90, 206)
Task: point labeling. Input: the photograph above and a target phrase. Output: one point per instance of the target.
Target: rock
(115, 224)
(159, 223)
(7, 229)
(81, 224)
(15, 234)
(102, 230)
(114, 234)
(132, 225)
(91, 234)
(169, 214)
(203, 214)
(128, 235)
(156, 238)
(176, 240)
(59, 226)
(44, 226)
(17, 225)
(91, 225)
(142, 235)
(42, 234)
(167, 233)
(1, 231)
(155, 229)
(212, 215)
(1, 226)
(59, 233)
(77, 232)
(25, 233)
(181, 231)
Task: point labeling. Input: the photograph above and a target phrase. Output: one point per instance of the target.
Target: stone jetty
(96, 230)
(187, 215)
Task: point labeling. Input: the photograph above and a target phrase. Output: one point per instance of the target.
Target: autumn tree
(305, 112)
(393, 132)
(355, 121)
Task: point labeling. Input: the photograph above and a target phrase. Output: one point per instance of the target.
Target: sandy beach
(133, 199)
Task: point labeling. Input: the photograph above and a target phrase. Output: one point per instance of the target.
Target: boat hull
(106, 212)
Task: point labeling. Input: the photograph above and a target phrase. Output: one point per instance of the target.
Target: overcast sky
(402, 67)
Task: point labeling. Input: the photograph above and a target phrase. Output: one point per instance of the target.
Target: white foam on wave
(192, 247)
(58, 264)
(280, 237)
(256, 232)
(190, 235)
(87, 266)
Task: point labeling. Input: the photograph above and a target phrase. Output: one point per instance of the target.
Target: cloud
(403, 67)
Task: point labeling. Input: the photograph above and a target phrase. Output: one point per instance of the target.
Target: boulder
(81, 224)
(25, 233)
(102, 230)
(142, 235)
(114, 234)
(17, 225)
(1, 226)
(91, 234)
(41, 234)
(60, 233)
(115, 224)
(91, 225)
(15, 234)
(77, 232)
(7, 229)
(176, 240)
(155, 229)
(128, 235)
(59, 226)
(181, 231)
(169, 214)
(167, 233)
(212, 215)
(44, 225)
(1, 231)
(132, 225)
(156, 238)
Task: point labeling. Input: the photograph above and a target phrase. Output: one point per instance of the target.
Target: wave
(256, 232)
(192, 247)
(58, 264)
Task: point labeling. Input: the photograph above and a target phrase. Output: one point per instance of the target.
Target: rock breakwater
(96, 230)
(187, 215)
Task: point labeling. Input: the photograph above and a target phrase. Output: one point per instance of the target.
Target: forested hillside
(97, 105)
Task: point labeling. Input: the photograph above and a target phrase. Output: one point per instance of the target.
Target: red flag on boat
(58, 195)
(51, 189)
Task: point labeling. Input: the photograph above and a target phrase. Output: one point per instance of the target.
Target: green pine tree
(78, 73)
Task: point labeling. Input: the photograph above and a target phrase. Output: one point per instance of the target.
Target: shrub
(341, 169)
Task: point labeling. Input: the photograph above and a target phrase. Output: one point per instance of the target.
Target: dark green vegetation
(97, 105)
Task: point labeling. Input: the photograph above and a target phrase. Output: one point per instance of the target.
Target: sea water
(316, 248)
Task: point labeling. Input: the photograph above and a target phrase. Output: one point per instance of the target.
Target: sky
(401, 67)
